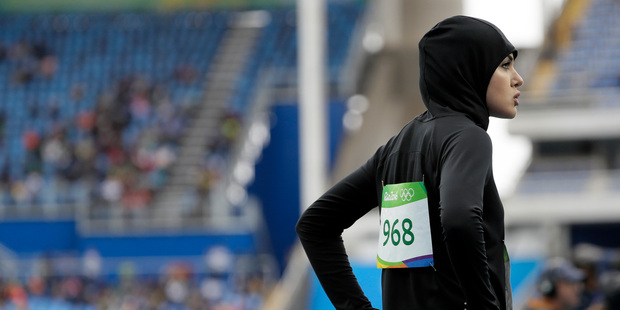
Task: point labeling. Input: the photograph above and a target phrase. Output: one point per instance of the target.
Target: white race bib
(405, 240)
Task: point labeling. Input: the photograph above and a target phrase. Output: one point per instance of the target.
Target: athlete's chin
(511, 115)
(506, 114)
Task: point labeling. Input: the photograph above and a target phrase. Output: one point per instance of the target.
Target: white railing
(566, 197)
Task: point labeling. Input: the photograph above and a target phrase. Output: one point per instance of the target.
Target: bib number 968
(391, 232)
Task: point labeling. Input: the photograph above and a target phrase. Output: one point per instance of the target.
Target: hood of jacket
(458, 56)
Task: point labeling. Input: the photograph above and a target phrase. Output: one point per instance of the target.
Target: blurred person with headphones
(560, 285)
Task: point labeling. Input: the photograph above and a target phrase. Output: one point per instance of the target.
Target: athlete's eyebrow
(510, 57)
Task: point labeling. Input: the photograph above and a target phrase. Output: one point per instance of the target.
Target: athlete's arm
(320, 228)
(466, 167)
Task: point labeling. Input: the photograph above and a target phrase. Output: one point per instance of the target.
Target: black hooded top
(457, 59)
(448, 148)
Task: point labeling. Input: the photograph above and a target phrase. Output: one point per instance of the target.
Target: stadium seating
(588, 68)
(592, 59)
(86, 95)
(93, 108)
(92, 105)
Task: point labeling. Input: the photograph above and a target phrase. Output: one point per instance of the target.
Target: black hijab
(458, 56)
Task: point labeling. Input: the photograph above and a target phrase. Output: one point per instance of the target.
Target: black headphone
(557, 269)
(546, 286)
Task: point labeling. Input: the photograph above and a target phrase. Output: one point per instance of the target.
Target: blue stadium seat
(64, 64)
(592, 60)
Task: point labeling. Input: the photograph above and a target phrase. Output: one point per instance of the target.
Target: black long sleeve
(465, 213)
(465, 171)
(320, 228)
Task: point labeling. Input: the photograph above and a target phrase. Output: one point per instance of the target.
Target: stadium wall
(32, 237)
(277, 173)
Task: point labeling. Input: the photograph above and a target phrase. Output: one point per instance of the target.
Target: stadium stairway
(204, 128)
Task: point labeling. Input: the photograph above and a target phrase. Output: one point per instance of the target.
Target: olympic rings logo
(406, 194)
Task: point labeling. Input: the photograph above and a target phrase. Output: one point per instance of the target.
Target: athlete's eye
(507, 62)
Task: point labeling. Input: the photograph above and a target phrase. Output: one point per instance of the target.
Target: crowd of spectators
(93, 106)
(94, 145)
(117, 153)
(225, 283)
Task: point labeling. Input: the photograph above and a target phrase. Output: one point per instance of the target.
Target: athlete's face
(502, 93)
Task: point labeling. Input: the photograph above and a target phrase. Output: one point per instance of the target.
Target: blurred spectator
(111, 190)
(77, 91)
(33, 185)
(72, 289)
(231, 126)
(559, 285)
(86, 120)
(32, 60)
(19, 193)
(185, 74)
(48, 66)
(36, 286)
(18, 296)
(32, 143)
(610, 282)
(219, 261)
(590, 258)
(177, 286)
(56, 149)
(212, 289)
(135, 200)
(92, 263)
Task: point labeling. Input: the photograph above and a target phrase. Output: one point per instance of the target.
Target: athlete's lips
(516, 98)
